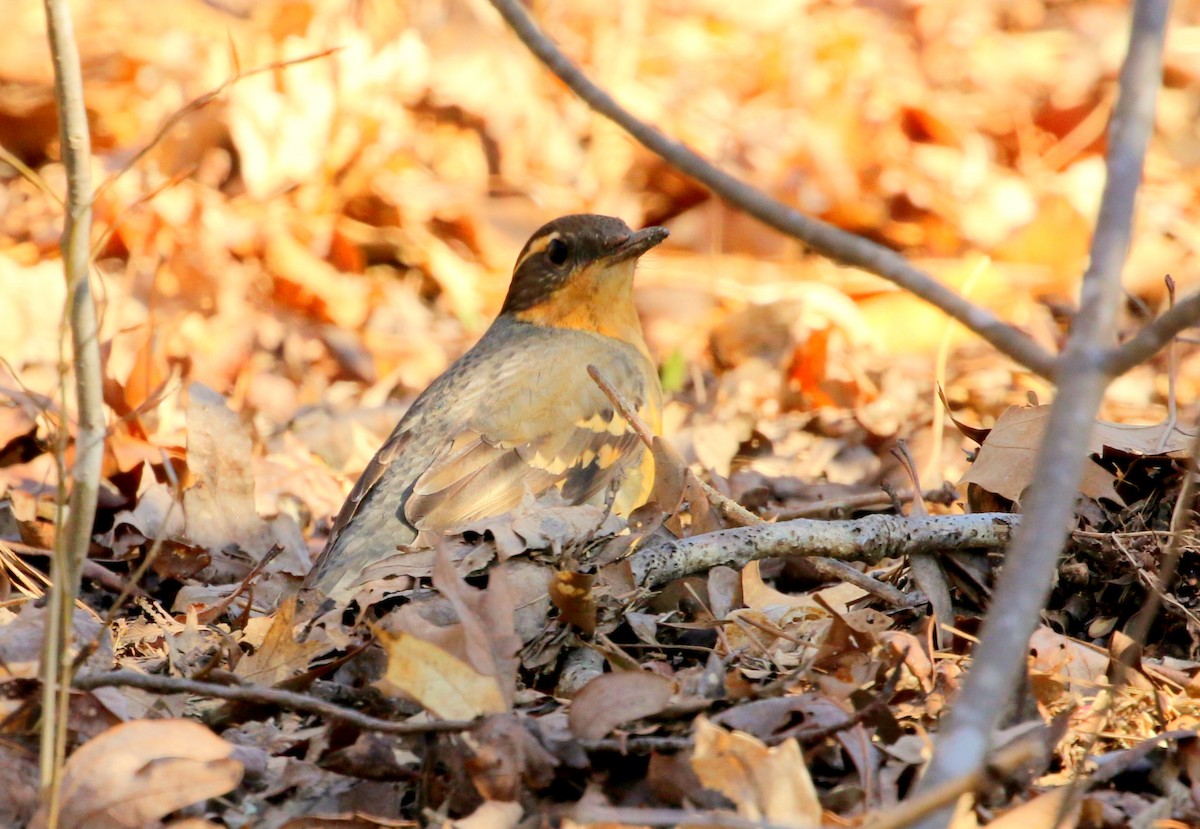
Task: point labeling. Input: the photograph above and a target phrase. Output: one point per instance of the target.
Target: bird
(518, 414)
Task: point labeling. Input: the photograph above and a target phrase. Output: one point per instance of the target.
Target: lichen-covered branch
(866, 540)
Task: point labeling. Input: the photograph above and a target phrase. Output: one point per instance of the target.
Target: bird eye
(557, 251)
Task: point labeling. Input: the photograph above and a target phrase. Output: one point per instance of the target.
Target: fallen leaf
(571, 593)
(280, 656)
(641, 694)
(135, 773)
(785, 607)
(444, 685)
(1006, 459)
(545, 522)
(505, 755)
(769, 785)
(219, 506)
(1059, 663)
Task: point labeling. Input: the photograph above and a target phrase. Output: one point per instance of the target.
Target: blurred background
(323, 236)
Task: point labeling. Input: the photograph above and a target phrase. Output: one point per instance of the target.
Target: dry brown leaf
(571, 593)
(642, 694)
(1005, 461)
(679, 493)
(136, 773)
(219, 506)
(280, 656)
(771, 785)
(1061, 664)
(785, 607)
(545, 522)
(505, 755)
(444, 685)
(157, 515)
(486, 621)
(766, 718)
(19, 771)
(18, 428)
(305, 282)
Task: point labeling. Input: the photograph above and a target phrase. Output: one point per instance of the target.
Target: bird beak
(636, 244)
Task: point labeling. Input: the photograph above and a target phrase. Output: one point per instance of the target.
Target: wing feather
(490, 430)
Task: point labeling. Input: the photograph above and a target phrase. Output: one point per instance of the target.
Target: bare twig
(258, 695)
(946, 495)
(868, 540)
(197, 104)
(29, 174)
(1025, 582)
(835, 570)
(824, 238)
(72, 540)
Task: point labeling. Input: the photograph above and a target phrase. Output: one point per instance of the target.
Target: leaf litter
(296, 260)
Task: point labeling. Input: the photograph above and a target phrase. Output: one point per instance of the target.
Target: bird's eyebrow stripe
(536, 246)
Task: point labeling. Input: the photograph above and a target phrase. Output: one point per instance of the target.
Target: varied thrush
(518, 413)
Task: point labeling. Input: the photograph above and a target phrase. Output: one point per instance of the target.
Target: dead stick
(290, 700)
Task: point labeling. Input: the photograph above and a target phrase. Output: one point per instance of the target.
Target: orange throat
(599, 301)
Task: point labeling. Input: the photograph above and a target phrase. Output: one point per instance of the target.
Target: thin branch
(258, 695)
(73, 539)
(868, 540)
(824, 238)
(197, 104)
(998, 662)
(1155, 336)
(29, 174)
(834, 570)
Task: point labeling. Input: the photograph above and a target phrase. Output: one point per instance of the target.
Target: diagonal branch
(998, 662)
(825, 239)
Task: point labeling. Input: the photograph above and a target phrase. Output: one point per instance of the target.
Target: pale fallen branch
(867, 540)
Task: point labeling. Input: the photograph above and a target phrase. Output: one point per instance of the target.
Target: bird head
(577, 265)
